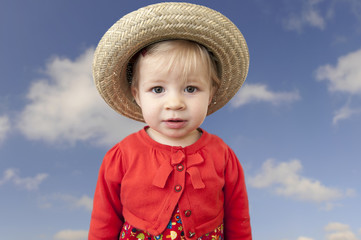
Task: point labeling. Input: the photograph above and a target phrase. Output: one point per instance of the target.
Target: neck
(175, 142)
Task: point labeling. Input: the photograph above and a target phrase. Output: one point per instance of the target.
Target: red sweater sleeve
(106, 219)
(237, 219)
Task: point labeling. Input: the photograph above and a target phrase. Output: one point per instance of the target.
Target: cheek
(149, 110)
(200, 107)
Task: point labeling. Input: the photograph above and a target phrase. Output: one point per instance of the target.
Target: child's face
(172, 106)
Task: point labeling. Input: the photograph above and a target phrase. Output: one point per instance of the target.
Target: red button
(180, 167)
(178, 188)
(188, 213)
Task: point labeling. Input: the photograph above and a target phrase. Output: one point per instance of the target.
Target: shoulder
(215, 142)
(218, 147)
(131, 140)
(115, 155)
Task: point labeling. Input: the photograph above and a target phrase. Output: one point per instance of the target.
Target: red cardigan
(142, 181)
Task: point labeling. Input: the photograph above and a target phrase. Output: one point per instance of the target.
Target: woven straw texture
(166, 21)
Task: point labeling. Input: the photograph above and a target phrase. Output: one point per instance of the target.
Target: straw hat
(165, 21)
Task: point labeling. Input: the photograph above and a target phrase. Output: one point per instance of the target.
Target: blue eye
(158, 89)
(190, 89)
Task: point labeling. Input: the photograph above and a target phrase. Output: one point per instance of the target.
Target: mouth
(175, 123)
(175, 120)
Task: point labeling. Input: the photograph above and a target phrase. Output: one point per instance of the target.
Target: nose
(174, 102)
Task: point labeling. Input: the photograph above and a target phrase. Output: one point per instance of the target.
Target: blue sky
(295, 124)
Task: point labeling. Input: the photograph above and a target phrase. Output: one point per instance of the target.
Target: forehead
(187, 63)
(158, 70)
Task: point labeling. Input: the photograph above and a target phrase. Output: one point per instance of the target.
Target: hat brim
(166, 21)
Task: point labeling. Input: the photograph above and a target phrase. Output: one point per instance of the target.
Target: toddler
(172, 179)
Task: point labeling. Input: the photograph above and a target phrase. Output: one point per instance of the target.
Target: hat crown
(167, 21)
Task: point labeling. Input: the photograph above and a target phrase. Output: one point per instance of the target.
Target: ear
(213, 91)
(135, 94)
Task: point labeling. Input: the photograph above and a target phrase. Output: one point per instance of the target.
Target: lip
(175, 123)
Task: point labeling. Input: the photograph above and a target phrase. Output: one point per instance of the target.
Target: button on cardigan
(143, 181)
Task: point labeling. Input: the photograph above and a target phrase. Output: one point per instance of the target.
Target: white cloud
(309, 15)
(316, 13)
(336, 226)
(304, 238)
(344, 113)
(4, 127)
(345, 76)
(260, 93)
(71, 235)
(330, 205)
(339, 231)
(72, 202)
(355, 6)
(345, 235)
(85, 202)
(339, 40)
(284, 179)
(29, 183)
(65, 107)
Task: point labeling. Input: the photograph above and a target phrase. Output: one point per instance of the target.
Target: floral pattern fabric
(174, 231)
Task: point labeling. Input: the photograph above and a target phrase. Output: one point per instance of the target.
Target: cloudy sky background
(295, 124)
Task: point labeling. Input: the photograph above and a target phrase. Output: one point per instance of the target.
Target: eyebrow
(152, 81)
(196, 79)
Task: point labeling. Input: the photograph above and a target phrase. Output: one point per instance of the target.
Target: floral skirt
(174, 231)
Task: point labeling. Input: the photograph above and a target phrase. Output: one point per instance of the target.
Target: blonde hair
(180, 53)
